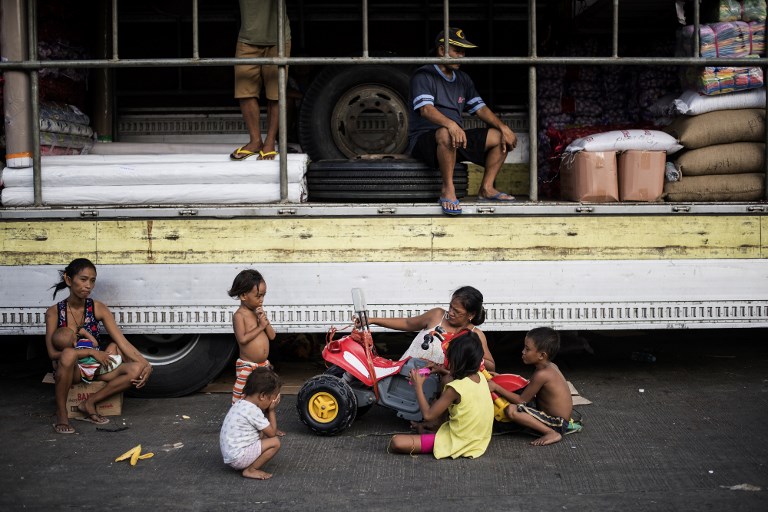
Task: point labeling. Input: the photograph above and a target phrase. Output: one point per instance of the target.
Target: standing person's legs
(248, 79)
(270, 75)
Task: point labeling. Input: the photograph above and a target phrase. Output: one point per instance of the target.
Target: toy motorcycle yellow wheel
(323, 407)
(326, 404)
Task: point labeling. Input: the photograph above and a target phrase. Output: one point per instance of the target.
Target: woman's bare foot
(256, 474)
(549, 438)
(90, 413)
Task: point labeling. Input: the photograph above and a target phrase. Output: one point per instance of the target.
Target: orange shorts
(250, 78)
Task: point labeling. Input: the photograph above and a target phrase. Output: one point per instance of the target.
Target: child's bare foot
(424, 427)
(279, 433)
(549, 438)
(256, 474)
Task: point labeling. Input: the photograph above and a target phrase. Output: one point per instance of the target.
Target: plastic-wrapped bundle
(723, 39)
(723, 80)
(67, 140)
(62, 112)
(56, 126)
(671, 173)
(734, 10)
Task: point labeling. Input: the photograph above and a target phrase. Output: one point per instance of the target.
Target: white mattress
(154, 179)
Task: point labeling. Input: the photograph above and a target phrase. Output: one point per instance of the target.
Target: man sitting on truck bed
(440, 93)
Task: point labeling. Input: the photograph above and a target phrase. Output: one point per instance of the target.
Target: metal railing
(32, 65)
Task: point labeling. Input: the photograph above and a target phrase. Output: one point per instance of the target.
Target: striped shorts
(243, 369)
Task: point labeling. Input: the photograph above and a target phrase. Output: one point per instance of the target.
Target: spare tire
(356, 110)
(379, 180)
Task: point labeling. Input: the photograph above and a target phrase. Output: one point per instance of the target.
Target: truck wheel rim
(323, 407)
(370, 119)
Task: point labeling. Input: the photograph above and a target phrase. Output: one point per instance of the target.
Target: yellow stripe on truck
(358, 239)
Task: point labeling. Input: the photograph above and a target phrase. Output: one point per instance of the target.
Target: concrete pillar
(16, 94)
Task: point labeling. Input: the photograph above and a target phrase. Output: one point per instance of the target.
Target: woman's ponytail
(71, 270)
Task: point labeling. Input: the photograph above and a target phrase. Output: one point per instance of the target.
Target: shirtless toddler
(252, 328)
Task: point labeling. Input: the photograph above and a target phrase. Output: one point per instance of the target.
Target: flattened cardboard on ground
(112, 406)
(576, 397)
(641, 175)
(294, 376)
(589, 176)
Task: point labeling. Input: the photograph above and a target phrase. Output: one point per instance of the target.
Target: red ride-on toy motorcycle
(358, 378)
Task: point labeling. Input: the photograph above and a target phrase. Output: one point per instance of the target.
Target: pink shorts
(427, 443)
(248, 457)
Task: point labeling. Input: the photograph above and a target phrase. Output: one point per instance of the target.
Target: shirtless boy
(251, 325)
(545, 404)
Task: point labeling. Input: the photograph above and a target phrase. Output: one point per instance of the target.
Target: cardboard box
(641, 175)
(112, 406)
(589, 176)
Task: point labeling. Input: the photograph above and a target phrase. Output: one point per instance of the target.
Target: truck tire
(355, 110)
(380, 180)
(326, 404)
(182, 364)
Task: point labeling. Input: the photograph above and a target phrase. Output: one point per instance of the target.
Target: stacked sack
(721, 115)
(724, 157)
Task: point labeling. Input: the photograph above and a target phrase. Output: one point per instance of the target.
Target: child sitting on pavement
(248, 438)
(467, 399)
(545, 404)
(252, 328)
(94, 362)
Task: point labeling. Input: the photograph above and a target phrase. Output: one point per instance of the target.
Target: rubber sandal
(501, 197)
(96, 419)
(449, 211)
(242, 154)
(63, 428)
(263, 155)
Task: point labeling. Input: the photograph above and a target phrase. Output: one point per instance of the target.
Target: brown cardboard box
(641, 175)
(112, 406)
(589, 176)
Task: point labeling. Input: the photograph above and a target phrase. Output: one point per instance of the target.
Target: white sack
(692, 103)
(625, 140)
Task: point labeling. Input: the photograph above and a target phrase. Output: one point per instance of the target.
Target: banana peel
(134, 454)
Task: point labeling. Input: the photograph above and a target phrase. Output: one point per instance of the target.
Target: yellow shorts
(249, 78)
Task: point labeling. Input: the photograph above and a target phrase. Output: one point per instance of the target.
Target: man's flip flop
(242, 154)
(447, 210)
(267, 155)
(63, 428)
(501, 197)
